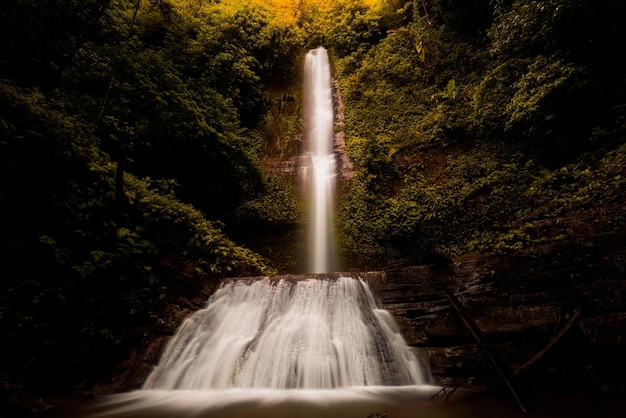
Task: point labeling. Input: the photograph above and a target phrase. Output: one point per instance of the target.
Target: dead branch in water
(557, 337)
(506, 375)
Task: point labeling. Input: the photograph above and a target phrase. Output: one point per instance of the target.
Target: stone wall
(554, 319)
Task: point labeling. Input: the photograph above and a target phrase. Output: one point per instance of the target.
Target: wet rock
(519, 302)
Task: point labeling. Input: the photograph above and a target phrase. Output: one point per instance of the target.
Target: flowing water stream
(319, 123)
(288, 346)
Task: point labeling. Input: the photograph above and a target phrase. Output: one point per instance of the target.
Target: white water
(280, 348)
(319, 122)
(304, 334)
(357, 402)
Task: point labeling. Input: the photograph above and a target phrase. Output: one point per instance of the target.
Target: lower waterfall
(305, 346)
(287, 334)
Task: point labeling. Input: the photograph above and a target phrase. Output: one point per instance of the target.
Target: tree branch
(557, 337)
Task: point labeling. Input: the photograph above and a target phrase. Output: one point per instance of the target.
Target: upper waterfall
(319, 121)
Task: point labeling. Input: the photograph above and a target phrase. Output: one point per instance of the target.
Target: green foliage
(179, 98)
(539, 101)
(526, 28)
(463, 133)
(494, 92)
(545, 78)
(281, 203)
(95, 160)
(578, 186)
(40, 38)
(351, 26)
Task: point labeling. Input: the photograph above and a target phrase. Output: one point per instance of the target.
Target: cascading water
(319, 122)
(287, 334)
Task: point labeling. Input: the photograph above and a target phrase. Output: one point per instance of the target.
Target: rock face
(345, 167)
(553, 319)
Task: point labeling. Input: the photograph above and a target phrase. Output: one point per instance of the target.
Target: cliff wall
(553, 317)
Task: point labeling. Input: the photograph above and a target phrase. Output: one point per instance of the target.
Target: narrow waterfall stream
(319, 122)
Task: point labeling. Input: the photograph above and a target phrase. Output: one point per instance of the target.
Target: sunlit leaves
(545, 77)
(280, 204)
(497, 119)
(526, 28)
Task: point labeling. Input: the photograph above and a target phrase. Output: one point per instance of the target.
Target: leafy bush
(280, 204)
(462, 133)
(82, 264)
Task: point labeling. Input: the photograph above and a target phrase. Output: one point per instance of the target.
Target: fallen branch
(472, 328)
(557, 337)
(447, 391)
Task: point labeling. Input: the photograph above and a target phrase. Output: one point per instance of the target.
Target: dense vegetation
(472, 122)
(127, 134)
(132, 134)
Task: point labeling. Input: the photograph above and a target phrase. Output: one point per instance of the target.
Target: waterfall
(323, 331)
(319, 122)
(275, 347)
(287, 334)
